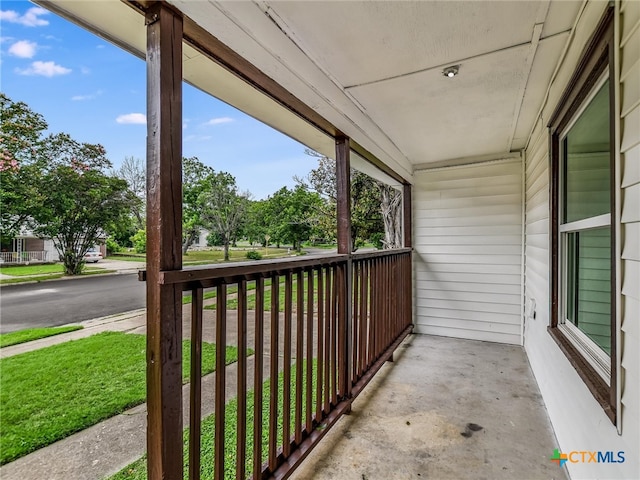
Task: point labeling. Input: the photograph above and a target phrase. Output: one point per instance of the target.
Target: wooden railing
(319, 328)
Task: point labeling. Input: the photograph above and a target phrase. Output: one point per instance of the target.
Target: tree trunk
(72, 264)
(391, 210)
(226, 251)
(190, 238)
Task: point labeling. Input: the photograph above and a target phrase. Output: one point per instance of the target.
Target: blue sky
(95, 91)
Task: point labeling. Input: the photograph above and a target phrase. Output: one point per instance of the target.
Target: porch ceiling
(374, 69)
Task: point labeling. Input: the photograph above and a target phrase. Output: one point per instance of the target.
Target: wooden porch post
(345, 246)
(407, 243)
(164, 237)
(406, 215)
(343, 194)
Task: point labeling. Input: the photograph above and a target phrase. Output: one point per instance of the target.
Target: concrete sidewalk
(122, 322)
(105, 448)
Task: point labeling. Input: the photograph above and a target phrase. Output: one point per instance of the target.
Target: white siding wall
(630, 228)
(579, 422)
(468, 251)
(52, 253)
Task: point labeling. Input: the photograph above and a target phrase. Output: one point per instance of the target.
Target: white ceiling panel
(374, 69)
(434, 118)
(362, 42)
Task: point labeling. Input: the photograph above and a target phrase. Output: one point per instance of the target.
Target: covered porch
(445, 408)
(450, 103)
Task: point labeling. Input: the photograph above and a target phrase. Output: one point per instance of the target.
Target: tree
(134, 172)
(222, 207)
(82, 200)
(194, 174)
(366, 197)
(257, 225)
(292, 215)
(21, 145)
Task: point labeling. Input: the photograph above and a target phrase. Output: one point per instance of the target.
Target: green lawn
(40, 269)
(138, 469)
(232, 303)
(202, 257)
(230, 290)
(23, 336)
(40, 272)
(48, 394)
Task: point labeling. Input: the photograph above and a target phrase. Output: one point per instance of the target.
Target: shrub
(140, 241)
(214, 240)
(112, 246)
(254, 255)
(376, 239)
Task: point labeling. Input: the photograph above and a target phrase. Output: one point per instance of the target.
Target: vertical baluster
(376, 293)
(327, 341)
(356, 321)
(364, 309)
(221, 347)
(388, 304)
(399, 282)
(309, 382)
(241, 437)
(273, 392)
(257, 380)
(195, 381)
(299, 357)
(320, 343)
(341, 324)
(334, 336)
(409, 292)
(286, 404)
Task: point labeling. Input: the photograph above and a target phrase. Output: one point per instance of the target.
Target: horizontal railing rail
(319, 328)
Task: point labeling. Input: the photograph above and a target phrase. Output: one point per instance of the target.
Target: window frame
(596, 61)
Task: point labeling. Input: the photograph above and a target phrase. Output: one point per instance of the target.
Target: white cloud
(219, 121)
(85, 70)
(197, 138)
(23, 49)
(6, 39)
(91, 96)
(31, 18)
(46, 69)
(132, 118)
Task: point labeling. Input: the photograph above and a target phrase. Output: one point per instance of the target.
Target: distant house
(26, 247)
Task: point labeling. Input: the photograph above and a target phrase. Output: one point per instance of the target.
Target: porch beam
(164, 236)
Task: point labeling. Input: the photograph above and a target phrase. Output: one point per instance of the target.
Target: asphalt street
(60, 302)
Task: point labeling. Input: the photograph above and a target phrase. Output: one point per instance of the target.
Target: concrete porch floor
(412, 419)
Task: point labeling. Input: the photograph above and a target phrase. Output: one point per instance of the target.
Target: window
(582, 213)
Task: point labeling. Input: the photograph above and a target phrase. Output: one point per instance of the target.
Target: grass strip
(138, 469)
(30, 334)
(52, 276)
(48, 394)
(40, 269)
(203, 257)
(232, 303)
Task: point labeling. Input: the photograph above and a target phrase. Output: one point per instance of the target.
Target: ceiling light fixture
(451, 71)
